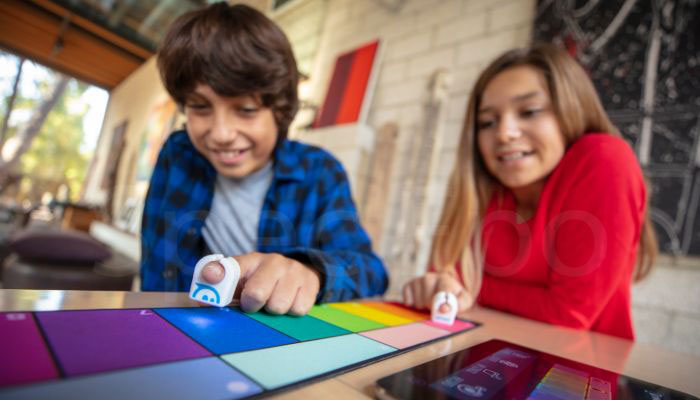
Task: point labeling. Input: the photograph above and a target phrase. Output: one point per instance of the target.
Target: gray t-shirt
(232, 225)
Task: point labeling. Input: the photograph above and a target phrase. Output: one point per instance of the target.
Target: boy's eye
(197, 106)
(248, 111)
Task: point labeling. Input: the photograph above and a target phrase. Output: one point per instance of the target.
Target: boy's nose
(224, 129)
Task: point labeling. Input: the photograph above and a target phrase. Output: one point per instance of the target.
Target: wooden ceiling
(51, 35)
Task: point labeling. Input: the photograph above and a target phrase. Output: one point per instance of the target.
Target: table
(646, 362)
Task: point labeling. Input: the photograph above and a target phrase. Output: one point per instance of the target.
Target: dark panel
(635, 50)
(678, 80)
(669, 198)
(674, 138)
(691, 242)
(629, 124)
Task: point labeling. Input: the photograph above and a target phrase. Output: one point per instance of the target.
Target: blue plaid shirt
(308, 215)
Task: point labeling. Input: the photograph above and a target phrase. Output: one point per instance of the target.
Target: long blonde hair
(578, 110)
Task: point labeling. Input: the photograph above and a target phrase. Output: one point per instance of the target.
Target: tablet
(502, 370)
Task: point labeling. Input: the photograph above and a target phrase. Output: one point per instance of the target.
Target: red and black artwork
(644, 58)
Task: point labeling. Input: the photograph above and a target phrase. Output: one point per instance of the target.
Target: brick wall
(418, 37)
(666, 305)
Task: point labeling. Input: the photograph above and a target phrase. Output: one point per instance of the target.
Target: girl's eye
(531, 112)
(484, 125)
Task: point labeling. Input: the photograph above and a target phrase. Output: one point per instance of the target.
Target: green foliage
(55, 155)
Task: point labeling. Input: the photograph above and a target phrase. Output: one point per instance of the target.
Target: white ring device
(447, 318)
(219, 294)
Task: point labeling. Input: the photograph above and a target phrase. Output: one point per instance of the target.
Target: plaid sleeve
(153, 226)
(342, 250)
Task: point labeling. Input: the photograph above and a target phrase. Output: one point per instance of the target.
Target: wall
(418, 38)
(131, 101)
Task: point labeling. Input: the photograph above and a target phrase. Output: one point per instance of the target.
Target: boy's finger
(304, 300)
(213, 273)
(283, 295)
(254, 295)
(249, 263)
(262, 277)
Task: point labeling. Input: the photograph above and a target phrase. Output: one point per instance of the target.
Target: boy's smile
(230, 157)
(236, 134)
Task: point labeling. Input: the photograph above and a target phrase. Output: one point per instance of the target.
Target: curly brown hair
(236, 50)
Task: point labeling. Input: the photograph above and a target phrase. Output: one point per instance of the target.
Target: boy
(231, 183)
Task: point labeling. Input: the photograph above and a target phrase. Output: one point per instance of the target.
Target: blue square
(223, 330)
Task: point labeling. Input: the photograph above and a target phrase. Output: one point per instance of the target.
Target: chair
(64, 259)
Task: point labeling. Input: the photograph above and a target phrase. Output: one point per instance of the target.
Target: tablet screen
(501, 370)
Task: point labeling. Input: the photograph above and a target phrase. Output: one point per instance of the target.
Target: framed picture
(160, 123)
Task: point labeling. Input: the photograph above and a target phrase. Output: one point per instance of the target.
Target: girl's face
(517, 131)
(236, 134)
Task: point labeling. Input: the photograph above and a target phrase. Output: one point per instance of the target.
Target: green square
(300, 328)
(342, 319)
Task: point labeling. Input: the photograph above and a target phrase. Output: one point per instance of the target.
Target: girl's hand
(420, 291)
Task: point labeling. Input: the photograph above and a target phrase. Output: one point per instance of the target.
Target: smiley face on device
(206, 294)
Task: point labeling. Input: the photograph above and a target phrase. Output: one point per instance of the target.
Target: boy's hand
(281, 284)
(420, 291)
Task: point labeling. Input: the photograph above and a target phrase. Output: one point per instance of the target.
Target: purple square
(93, 341)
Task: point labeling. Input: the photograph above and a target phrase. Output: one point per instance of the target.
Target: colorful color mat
(198, 352)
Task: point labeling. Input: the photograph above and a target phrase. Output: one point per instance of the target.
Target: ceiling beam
(30, 30)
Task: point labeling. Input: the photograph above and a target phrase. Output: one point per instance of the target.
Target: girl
(546, 210)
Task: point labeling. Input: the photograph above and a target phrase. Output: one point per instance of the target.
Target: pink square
(404, 336)
(458, 326)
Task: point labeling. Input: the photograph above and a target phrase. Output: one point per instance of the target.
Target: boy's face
(236, 134)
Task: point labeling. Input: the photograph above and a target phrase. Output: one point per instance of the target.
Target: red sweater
(571, 264)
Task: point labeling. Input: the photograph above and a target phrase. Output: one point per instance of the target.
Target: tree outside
(46, 156)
